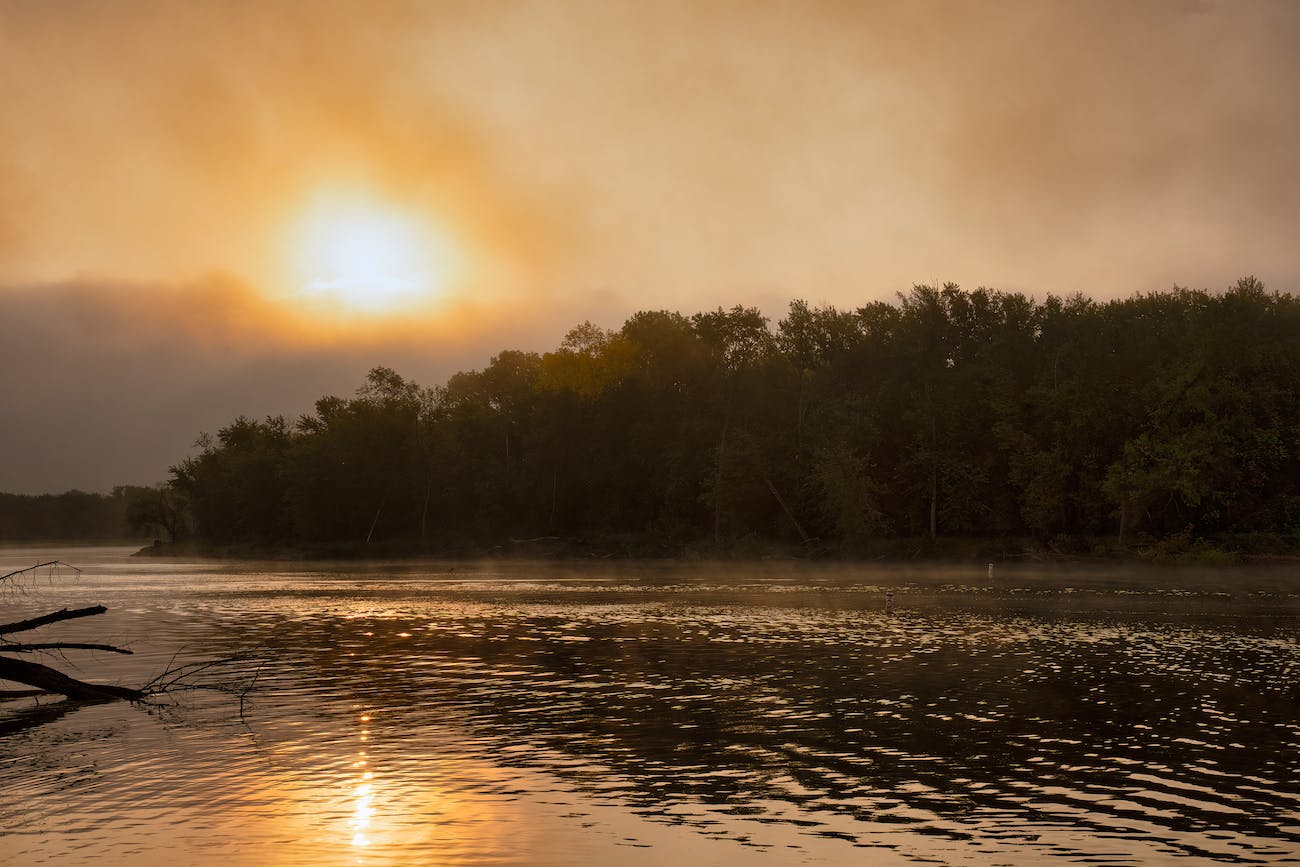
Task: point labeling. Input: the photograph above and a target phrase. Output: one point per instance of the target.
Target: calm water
(535, 714)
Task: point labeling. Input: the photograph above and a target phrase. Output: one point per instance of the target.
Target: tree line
(75, 515)
(948, 413)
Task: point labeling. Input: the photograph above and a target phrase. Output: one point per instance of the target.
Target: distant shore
(1229, 551)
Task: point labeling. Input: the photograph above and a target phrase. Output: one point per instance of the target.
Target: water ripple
(973, 724)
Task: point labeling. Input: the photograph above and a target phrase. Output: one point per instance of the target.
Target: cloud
(725, 148)
(153, 141)
(1122, 148)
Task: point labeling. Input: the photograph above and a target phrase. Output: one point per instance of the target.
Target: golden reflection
(363, 812)
(378, 825)
(361, 816)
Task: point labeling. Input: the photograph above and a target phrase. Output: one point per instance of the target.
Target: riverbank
(1178, 550)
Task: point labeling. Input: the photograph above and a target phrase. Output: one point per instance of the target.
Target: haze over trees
(77, 515)
(949, 413)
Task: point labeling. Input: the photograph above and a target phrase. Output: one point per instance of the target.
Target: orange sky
(586, 160)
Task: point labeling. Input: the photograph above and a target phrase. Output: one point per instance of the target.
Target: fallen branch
(48, 679)
(61, 645)
(54, 617)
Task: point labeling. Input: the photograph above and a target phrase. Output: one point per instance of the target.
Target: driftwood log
(44, 678)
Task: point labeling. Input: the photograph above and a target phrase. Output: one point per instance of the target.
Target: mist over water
(768, 714)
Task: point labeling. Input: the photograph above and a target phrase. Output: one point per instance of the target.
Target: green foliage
(951, 413)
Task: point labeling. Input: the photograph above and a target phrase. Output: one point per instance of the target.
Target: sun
(368, 255)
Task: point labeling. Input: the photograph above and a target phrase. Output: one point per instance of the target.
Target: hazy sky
(583, 160)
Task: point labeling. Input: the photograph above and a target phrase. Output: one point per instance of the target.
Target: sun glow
(367, 255)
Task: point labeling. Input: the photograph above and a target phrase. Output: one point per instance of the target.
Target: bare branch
(44, 678)
(181, 674)
(63, 614)
(54, 563)
(61, 645)
(188, 677)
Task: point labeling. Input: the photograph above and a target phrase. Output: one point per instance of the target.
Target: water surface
(476, 714)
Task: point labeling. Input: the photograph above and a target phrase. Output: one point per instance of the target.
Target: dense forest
(76, 516)
(949, 413)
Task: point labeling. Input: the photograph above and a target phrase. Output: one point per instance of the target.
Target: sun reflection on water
(364, 812)
(386, 821)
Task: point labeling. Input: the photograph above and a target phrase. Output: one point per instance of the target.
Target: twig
(244, 692)
(55, 563)
(174, 676)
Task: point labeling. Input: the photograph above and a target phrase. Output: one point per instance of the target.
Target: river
(650, 713)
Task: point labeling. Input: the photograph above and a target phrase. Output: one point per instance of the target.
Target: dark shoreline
(1233, 551)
